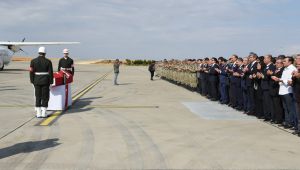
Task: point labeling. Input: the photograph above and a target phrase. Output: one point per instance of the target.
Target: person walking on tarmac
(151, 68)
(66, 63)
(116, 71)
(41, 76)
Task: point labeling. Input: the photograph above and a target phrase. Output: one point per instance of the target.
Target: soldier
(66, 63)
(41, 76)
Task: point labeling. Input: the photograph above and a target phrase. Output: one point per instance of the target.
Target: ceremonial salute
(41, 76)
(66, 63)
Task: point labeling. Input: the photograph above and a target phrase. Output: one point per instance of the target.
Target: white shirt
(286, 76)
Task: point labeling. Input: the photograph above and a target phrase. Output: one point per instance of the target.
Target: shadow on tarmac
(123, 84)
(79, 105)
(27, 147)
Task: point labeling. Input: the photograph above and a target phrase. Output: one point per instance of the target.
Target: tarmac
(138, 124)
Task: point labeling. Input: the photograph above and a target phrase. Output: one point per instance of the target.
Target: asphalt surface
(139, 124)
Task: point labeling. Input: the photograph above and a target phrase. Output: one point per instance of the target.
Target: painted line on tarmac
(17, 128)
(53, 117)
(121, 107)
(16, 106)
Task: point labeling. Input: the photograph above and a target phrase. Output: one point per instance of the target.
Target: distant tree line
(138, 62)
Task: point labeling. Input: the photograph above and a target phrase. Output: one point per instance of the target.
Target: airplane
(14, 47)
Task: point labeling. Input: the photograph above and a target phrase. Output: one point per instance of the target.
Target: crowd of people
(266, 87)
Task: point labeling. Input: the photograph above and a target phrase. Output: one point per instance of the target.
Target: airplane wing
(35, 43)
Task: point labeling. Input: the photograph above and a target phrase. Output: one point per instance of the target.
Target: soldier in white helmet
(66, 63)
(41, 76)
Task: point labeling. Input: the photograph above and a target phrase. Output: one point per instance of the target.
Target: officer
(41, 76)
(66, 63)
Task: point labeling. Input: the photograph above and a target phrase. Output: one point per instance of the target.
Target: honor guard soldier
(41, 76)
(66, 63)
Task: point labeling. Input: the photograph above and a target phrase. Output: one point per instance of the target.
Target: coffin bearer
(66, 63)
(41, 76)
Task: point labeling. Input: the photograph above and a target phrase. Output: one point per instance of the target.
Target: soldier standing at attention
(41, 76)
(66, 63)
(116, 71)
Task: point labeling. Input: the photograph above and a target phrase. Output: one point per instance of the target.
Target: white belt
(41, 73)
(70, 69)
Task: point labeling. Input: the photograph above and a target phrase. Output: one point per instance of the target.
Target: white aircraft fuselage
(5, 57)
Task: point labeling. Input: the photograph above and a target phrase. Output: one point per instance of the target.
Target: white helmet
(66, 51)
(42, 50)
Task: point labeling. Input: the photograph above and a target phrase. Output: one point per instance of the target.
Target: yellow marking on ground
(49, 120)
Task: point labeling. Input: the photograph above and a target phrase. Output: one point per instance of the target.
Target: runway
(139, 124)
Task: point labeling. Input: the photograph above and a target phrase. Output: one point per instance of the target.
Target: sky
(155, 29)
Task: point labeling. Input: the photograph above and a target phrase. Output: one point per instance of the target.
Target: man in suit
(276, 102)
(250, 71)
(296, 91)
(213, 79)
(205, 77)
(265, 77)
(233, 81)
(223, 81)
(243, 85)
(238, 89)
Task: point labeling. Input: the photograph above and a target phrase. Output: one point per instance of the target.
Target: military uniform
(66, 64)
(41, 76)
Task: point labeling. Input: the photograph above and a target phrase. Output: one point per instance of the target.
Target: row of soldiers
(266, 87)
(180, 72)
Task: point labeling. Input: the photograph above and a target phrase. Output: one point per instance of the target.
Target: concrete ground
(139, 124)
